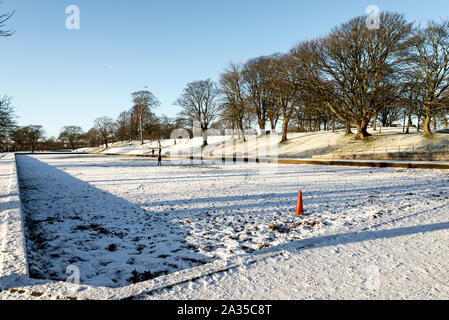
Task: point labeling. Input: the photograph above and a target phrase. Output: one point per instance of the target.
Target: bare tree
(287, 81)
(256, 76)
(124, 126)
(390, 114)
(317, 93)
(7, 119)
(234, 106)
(73, 134)
(151, 125)
(33, 134)
(354, 67)
(168, 125)
(18, 137)
(143, 101)
(105, 127)
(93, 138)
(3, 18)
(199, 103)
(430, 69)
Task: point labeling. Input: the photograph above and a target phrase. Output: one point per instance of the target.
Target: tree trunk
(284, 129)
(204, 135)
(375, 122)
(427, 120)
(348, 128)
(409, 124)
(131, 128)
(141, 128)
(241, 129)
(403, 127)
(262, 129)
(362, 131)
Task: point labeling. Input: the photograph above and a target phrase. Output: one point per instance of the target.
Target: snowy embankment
(122, 220)
(299, 145)
(13, 262)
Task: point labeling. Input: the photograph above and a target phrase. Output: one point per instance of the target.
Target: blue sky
(60, 77)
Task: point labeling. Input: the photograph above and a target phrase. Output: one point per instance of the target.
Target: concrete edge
(346, 163)
(370, 164)
(15, 263)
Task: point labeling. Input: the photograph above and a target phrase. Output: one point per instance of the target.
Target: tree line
(353, 77)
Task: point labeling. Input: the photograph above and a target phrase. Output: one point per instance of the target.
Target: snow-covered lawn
(123, 220)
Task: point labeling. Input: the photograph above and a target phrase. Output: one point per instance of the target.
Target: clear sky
(60, 77)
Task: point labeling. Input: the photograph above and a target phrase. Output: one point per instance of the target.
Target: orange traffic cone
(299, 205)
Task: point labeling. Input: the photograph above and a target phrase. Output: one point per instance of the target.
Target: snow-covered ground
(406, 259)
(123, 220)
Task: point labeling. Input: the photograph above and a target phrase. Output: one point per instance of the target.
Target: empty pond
(122, 220)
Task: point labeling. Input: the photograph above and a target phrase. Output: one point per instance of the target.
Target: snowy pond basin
(124, 220)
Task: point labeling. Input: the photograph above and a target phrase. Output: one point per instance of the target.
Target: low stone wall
(398, 156)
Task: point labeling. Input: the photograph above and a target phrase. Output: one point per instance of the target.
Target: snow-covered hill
(299, 145)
